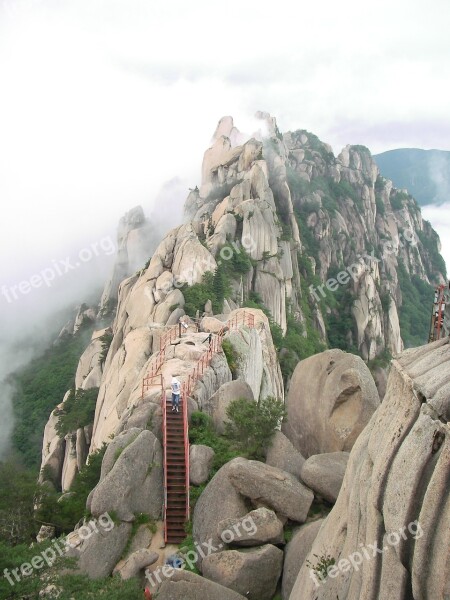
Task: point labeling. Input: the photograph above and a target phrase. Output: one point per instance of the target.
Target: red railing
(184, 396)
(242, 318)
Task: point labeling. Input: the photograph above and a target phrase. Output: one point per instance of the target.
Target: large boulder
(253, 573)
(260, 526)
(324, 473)
(136, 562)
(395, 494)
(211, 325)
(269, 486)
(100, 552)
(282, 454)
(200, 463)
(219, 500)
(331, 399)
(184, 585)
(295, 553)
(218, 403)
(257, 362)
(134, 482)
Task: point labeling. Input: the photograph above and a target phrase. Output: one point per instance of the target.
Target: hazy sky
(103, 101)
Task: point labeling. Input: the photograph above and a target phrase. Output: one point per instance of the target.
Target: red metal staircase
(175, 428)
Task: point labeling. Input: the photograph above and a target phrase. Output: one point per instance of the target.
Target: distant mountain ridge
(424, 173)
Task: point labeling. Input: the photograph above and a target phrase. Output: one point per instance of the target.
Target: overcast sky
(104, 101)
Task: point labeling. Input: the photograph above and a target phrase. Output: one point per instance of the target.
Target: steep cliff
(320, 251)
(388, 532)
(323, 244)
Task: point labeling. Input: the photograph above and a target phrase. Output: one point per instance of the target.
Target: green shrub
(201, 431)
(322, 565)
(106, 341)
(381, 210)
(252, 425)
(40, 387)
(18, 490)
(65, 513)
(231, 355)
(415, 309)
(77, 411)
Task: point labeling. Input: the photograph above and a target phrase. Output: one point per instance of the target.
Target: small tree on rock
(252, 425)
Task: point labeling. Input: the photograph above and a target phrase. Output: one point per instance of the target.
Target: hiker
(147, 594)
(209, 339)
(176, 388)
(175, 561)
(182, 323)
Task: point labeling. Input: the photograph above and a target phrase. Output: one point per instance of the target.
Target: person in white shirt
(176, 389)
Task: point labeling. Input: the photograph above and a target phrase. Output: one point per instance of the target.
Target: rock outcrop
(253, 573)
(394, 497)
(136, 241)
(260, 526)
(183, 585)
(331, 399)
(282, 454)
(218, 492)
(217, 405)
(324, 473)
(269, 486)
(200, 463)
(296, 552)
(133, 485)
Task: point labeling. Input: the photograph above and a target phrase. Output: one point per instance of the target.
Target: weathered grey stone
(99, 554)
(200, 463)
(295, 553)
(269, 486)
(211, 325)
(219, 500)
(46, 532)
(324, 473)
(331, 398)
(184, 585)
(217, 405)
(115, 448)
(282, 454)
(253, 573)
(131, 566)
(395, 492)
(260, 526)
(134, 483)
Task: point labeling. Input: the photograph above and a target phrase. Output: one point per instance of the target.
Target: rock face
(183, 585)
(134, 483)
(395, 493)
(98, 554)
(217, 405)
(324, 473)
(135, 563)
(296, 552)
(268, 486)
(331, 399)
(284, 456)
(257, 362)
(253, 573)
(200, 463)
(260, 526)
(218, 493)
(136, 241)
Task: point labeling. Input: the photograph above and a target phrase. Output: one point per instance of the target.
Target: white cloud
(105, 101)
